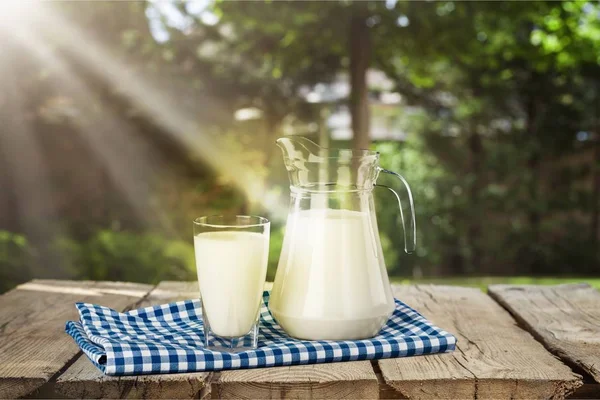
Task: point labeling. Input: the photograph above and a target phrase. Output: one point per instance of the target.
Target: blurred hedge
(107, 255)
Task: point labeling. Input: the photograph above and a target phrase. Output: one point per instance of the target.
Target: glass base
(237, 344)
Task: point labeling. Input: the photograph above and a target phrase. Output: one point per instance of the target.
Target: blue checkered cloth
(169, 338)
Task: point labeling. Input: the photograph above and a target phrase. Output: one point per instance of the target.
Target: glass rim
(226, 221)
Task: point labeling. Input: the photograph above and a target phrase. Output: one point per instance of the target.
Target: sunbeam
(127, 159)
(14, 12)
(181, 126)
(22, 154)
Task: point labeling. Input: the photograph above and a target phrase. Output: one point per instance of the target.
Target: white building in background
(384, 106)
(382, 126)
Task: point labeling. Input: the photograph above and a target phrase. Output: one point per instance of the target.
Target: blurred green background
(122, 121)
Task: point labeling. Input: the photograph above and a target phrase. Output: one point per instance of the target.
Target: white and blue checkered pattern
(169, 338)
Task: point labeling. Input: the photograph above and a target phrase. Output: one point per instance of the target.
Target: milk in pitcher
(333, 276)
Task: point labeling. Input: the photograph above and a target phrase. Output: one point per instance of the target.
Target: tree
(269, 51)
(360, 59)
(500, 72)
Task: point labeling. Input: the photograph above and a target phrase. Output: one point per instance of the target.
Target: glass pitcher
(331, 281)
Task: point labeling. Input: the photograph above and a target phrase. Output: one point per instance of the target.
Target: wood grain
(565, 318)
(33, 344)
(84, 380)
(349, 380)
(494, 357)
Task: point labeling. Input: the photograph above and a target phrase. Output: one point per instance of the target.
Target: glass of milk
(231, 260)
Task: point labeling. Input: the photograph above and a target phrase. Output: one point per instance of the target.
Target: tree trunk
(324, 143)
(595, 193)
(533, 164)
(272, 127)
(595, 222)
(475, 230)
(360, 53)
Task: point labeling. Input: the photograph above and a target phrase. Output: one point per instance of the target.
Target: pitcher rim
(300, 190)
(354, 153)
(368, 154)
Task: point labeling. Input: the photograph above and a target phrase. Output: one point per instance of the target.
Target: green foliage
(570, 33)
(275, 246)
(505, 90)
(15, 260)
(499, 101)
(485, 281)
(127, 256)
(445, 216)
(432, 192)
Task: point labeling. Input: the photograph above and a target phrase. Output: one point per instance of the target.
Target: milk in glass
(231, 272)
(333, 283)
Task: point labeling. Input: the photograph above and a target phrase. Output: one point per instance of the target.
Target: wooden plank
(33, 344)
(565, 318)
(494, 357)
(348, 380)
(84, 380)
(351, 380)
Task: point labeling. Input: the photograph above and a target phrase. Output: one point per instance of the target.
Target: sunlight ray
(123, 155)
(22, 153)
(156, 105)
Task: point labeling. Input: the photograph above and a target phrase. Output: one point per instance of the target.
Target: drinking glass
(231, 261)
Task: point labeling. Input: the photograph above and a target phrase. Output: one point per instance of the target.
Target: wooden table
(515, 342)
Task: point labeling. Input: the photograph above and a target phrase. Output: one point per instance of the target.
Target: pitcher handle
(407, 212)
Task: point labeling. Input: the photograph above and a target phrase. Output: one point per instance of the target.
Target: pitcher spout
(300, 148)
(312, 166)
